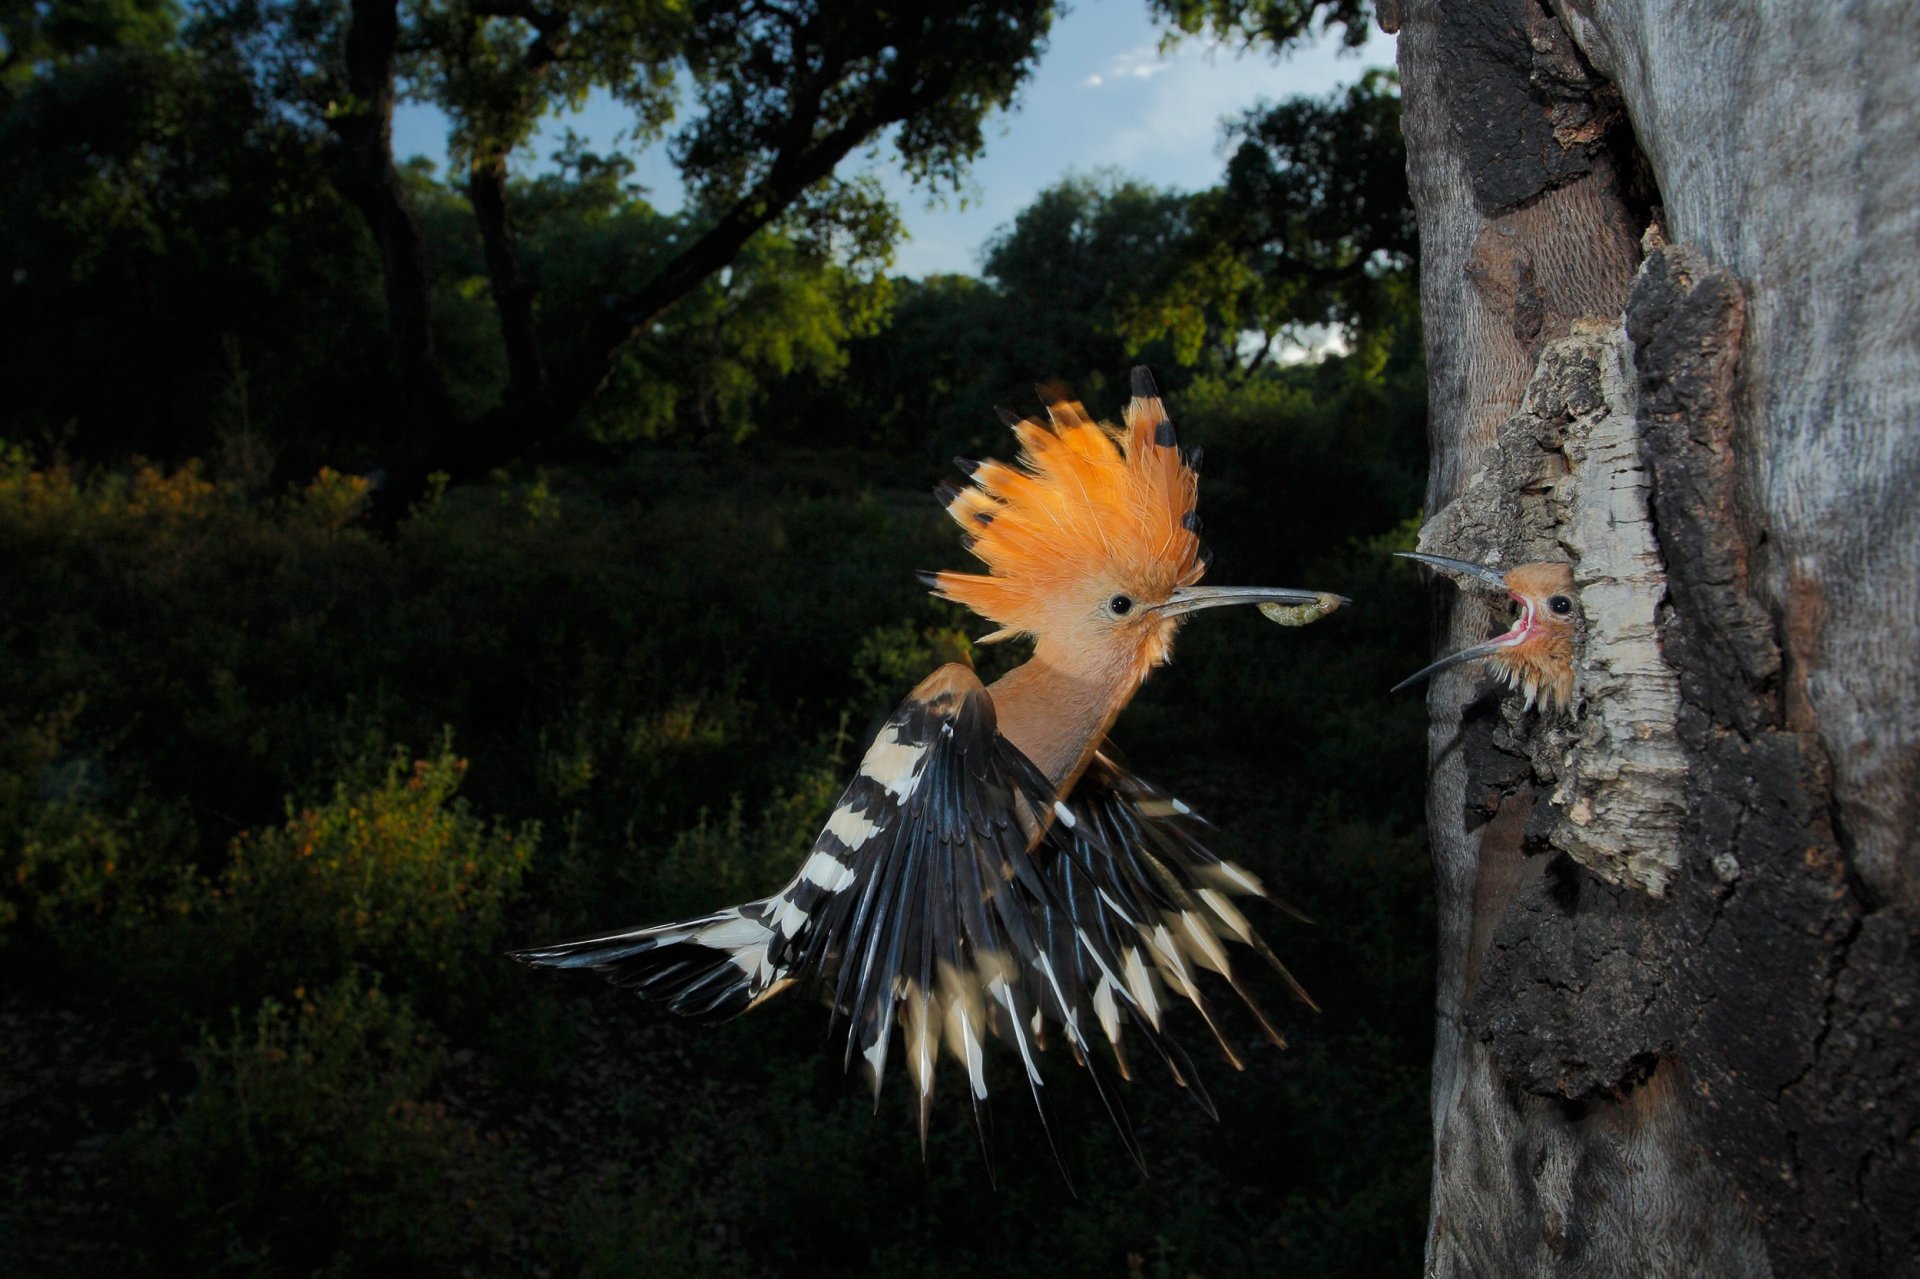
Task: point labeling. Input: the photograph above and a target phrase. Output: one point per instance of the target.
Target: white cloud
(1141, 63)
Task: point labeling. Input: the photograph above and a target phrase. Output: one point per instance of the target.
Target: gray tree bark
(1671, 287)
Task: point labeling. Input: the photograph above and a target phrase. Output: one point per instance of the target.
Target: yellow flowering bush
(394, 872)
(71, 868)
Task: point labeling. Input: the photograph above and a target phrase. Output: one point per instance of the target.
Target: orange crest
(1087, 503)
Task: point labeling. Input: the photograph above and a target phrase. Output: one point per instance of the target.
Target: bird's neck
(1058, 715)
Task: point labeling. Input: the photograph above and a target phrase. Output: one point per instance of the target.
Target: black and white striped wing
(1131, 872)
(922, 913)
(951, 898)
(924, 910)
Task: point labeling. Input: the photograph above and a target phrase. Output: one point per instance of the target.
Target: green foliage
(734, 858)
(177, 254)
(1279, 23)
(497, 73)
(1069, 271)
(926, 387)
(311, 1142)
(64, 862)
(782, 309)
(964, 61)
(1064, 282)
(790, 305)
(186, 196)
(393, 873)
(895, 658)
(54, 33)
(1311, 231)
(662, 1230)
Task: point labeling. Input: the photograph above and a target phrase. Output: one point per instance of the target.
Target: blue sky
(1104, 96)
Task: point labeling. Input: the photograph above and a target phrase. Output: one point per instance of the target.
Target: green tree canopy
(776, 258)
(1279, 23)
(1311, 229)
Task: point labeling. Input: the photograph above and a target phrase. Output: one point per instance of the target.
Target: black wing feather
(952, 896)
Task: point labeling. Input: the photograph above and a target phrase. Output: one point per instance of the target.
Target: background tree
(1309, 239)
(152, 205)
(787, 306)
(782, 93)
(788, 92)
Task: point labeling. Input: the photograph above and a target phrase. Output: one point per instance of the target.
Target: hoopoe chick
(989, 873)
(1535, 656)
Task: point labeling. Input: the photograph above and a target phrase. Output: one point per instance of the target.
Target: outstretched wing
(925, 909)
(922, 911)
(1131, 872)
(951, 898)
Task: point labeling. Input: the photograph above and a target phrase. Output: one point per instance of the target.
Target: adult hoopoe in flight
(1535, 655)
(989, 872)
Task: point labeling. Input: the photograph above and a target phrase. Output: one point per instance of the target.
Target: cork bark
(1679, 980)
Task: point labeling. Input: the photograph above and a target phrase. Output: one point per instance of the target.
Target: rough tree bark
(1672, 306)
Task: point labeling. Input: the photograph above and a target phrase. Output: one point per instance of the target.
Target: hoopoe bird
(1535, 655)
(989, 871)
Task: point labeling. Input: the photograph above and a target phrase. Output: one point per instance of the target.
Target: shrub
(721, 861)
(393, 872)
(77, 875)
(311, 1141)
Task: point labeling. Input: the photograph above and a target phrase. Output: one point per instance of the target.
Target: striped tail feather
(707, 969)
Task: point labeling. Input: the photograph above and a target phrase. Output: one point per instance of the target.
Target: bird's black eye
(1120, 605)
(1560, 604)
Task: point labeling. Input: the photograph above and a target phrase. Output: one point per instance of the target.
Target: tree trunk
(512, 290)
(362, 166)
(1672, 308)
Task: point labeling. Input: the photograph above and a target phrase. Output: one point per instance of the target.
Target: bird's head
(1535, 655)
(1091, 540)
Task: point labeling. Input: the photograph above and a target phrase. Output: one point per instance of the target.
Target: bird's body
(1535, 655)
(988, 871)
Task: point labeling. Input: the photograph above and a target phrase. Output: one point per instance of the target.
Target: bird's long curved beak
(1464, 568)
(1468, 654)
(1483, 575)
(1191, 599)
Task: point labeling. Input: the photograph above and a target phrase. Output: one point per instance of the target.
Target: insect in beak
(1271, 599)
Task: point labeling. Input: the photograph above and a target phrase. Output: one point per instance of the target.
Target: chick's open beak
(1472, 653)
(1483, 575)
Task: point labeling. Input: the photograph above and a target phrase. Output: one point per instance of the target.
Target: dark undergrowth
(276, 795)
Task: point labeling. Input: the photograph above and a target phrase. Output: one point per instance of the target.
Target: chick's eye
(1560, 604)
(1120, 605)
